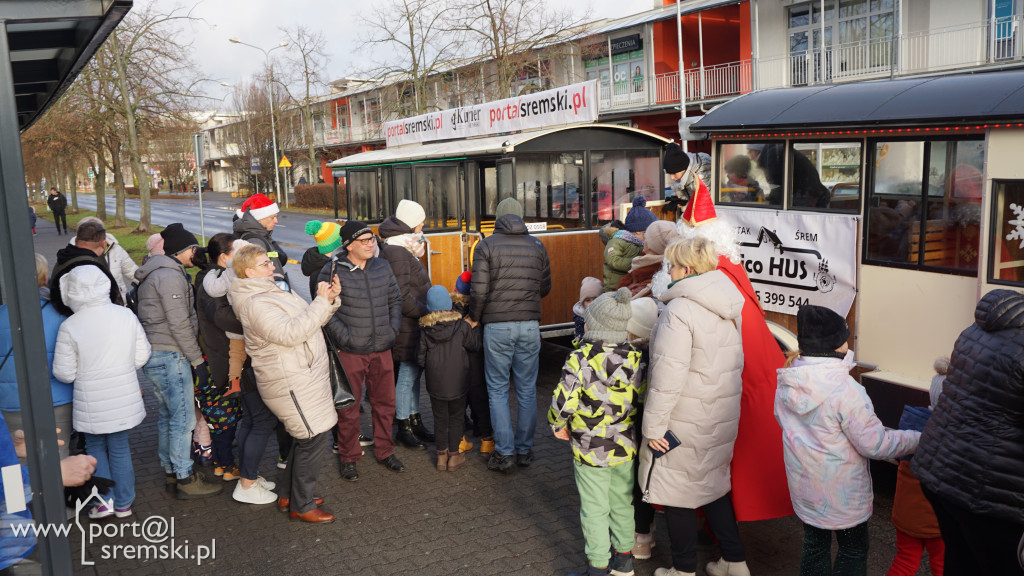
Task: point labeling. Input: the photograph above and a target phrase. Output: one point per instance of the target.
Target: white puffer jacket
(100, 351)
(694, 390)
(119, 262)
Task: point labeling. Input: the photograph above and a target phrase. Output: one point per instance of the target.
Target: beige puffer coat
(694, 390)
(289, 356)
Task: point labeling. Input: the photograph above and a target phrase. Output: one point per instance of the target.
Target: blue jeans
(407, 390)
(113, 456)
(515, 347)
(171, 375)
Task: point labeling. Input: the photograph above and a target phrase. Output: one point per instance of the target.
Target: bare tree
(307, 59)
(253, 134)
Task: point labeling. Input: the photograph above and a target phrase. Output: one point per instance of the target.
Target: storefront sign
(626, 44)
(795, 258)
(568, 105)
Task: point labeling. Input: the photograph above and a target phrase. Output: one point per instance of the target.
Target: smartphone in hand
(673, 441)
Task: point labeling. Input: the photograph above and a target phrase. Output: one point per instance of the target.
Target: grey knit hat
(607, 316)
(509, 206)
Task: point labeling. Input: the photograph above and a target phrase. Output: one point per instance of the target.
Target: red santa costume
(759, 487)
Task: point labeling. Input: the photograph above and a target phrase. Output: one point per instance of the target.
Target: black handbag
(340, 387)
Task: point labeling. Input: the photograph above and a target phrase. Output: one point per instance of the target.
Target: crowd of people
(675, 396)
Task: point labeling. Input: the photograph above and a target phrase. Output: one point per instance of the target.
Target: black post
(16, 252)
(335, 179)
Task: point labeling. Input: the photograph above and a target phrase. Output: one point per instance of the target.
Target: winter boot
(455, 461)
(621, 565)
(419, 429)
(722, 568)
(643, 545)
(406, 437)
(465, 445)
(442, 460)
(486, 446)
(196, 486)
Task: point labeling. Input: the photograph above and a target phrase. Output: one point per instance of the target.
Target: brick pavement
(473, 522)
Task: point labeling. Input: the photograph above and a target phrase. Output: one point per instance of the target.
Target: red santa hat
(701, 208)
(260, 206)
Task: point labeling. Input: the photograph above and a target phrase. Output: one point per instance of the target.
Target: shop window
(1006, 263)
(925, 204)
(364, 196)
(437, 190)
(548, 187)
(620, 176)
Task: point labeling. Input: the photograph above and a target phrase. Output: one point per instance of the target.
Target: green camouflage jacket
(597, 398)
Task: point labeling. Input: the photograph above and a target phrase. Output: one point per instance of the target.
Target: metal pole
(682, 71)
(199, 187)
(26, 321)
(700, 44)
(273, 131)
(821, 42)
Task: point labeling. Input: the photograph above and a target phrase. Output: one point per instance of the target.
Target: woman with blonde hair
(693, 397)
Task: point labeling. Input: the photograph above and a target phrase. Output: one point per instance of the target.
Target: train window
(925, 204)
(826, 176)
(547, 185)
(620, 175)
(403, 184)
(747, 174)
(437, 190)
(364, 196)
(1006, 261)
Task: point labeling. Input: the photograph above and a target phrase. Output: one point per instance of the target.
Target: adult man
(168, 314)
(511, 274)
(257, 222)
(364, 329)
(58, 205)
(88, 250)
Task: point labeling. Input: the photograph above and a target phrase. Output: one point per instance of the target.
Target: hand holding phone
(661, 446)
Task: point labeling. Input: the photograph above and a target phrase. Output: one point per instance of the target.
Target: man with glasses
(168, 315)
(88, 249)
(364, 330)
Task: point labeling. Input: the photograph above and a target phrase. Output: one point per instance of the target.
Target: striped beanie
(327, 235)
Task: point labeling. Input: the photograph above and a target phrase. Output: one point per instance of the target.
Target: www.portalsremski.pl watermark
(156, 532)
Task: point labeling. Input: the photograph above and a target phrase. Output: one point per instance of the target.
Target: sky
(258, 22)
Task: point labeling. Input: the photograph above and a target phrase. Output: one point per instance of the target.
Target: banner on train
(796, 258)
(562, 106)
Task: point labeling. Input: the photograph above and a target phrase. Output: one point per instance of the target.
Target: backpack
(131, 297)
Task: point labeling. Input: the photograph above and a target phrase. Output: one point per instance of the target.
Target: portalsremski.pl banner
(567, 105)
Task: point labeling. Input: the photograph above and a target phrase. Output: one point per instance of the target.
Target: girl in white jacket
(100, 351)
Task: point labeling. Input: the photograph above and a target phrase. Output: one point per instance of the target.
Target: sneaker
(500, 463)
(524, 460)
(230, 474)
(672, 572)
(590, 571)
(282, 463)
(254, 494)
(196, 486)
(622, 564)
(722, 568)
(218, 471)
(123, 512)
(364, 441)
(100, 511)
(267, 484)
(643, 545)
(334, 447)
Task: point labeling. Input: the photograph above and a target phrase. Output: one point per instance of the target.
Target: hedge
(320, 196)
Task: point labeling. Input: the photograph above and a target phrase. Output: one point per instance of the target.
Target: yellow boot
(487, 445)
(465, 445)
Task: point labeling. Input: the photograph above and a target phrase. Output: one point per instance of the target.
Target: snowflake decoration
(1018, 232)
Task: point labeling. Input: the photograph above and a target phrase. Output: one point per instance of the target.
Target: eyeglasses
(365, 241)
(264, 264)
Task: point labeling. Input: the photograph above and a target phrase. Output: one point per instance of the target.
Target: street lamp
(273, 126)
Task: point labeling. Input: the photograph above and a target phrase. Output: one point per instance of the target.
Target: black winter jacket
(370, 315)
(69, 258)
(511, 274)
(248, 228)
(312, 263)
(972, 449)
(413, 282)
(444, 350)
(58, 203)
(215, 318)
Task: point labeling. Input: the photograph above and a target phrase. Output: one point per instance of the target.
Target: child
(32, 218)
(638, 331)
(590, 288)
(917, 528)
(154, 246)
(626, 244)
(594, 406)
(829, 431)
(99, 349)
(445, 339)
(217, 284)
(479, 403)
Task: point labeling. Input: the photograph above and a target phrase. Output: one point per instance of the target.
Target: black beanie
(351, 230)
(177, 239)
(675, 159)
(820, 331)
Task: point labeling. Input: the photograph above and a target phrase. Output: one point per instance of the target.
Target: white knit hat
(645, 314)
(410, 213)
(607, 316)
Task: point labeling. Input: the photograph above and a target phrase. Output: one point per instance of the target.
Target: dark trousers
(58, 218)
(851, 560)
(299, 479)
(284, 441)
(254, 430)
(976, 544)
(223, 456)
(479, 404)
(643, 513)
(378, 373)
(449, 422)
(682, 533)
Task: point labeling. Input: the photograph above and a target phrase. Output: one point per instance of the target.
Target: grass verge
(134, 243)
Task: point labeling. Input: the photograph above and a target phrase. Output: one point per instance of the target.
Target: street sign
(284, 162)
(254, 164)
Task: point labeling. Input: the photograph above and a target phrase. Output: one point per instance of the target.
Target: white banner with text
(796, 258)
(562, 106)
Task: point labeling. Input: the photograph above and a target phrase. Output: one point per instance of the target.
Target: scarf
(414, 243)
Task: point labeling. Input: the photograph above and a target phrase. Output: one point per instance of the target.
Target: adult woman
(694, 392)
(289, 357)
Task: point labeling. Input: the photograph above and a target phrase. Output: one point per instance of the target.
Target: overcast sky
(258, 21)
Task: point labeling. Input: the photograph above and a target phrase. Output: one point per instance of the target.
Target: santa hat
(700, 209)
(260, 206)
